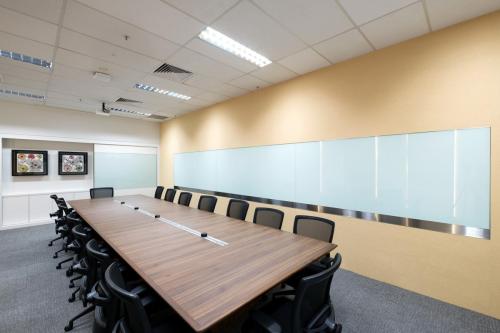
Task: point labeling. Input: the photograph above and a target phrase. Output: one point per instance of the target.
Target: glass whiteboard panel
(441, 176)
(122, 168)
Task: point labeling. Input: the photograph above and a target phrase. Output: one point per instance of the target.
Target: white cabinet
(24, 209)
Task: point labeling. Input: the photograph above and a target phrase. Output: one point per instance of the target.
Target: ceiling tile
(198, 102)
(402, 25)
(23, 71)
(213, 85)
(109, 29)
(13, 43)
(81, 89)
(23, 82)
(312, 21)
(251, 27)
(249, 82)
(90, 65)
(211, 97)
(48, 10)
(72, 73)
(77, 106)
(151, 15)
(363, 11)
(305, 61)
(345, 46)
(53, 95)
(220, 55)
(274, 73)
(200, 64)
(206, 10)
(29, 27)
(95, 48)
(443, 13)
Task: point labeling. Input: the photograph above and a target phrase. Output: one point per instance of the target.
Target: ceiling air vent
(172, 73)
(126, 100)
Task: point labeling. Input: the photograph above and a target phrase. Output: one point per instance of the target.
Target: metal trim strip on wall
(454, 229)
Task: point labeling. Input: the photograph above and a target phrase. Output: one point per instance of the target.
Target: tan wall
(445, 80)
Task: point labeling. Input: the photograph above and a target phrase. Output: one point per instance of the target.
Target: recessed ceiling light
(162, 91)
(138, 113)
(15, 93)
(228, 44)
(26, 58)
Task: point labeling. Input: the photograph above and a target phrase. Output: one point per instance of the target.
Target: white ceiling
(129, 39)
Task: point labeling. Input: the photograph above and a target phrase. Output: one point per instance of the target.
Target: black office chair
(314, 227)
(237, 209)
(137, 318)
(58, 214)
(170, 195)
(158, 192)
(207, 203)
(92, 292)
(185, 198)
(269, 217)
(309, 311)
(102, 192)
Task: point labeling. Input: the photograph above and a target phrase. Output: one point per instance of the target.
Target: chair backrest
(269, 217)
(170, 194)
(312, 305)
(158, 192)
(63, 206)
(207, 203)
(99, 253)
(185, 198)
(237, 209)
(135, 315)
(102, 192)
(314, 227)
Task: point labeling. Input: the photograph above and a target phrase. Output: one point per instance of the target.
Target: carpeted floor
(33, 297)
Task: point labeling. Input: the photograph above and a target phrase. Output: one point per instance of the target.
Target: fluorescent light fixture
(137, 113)
(162, 91)
(12, 92)
(228, 44)
(26, 58)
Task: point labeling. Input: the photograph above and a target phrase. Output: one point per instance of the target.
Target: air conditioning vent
(172, 73)
(126, 100)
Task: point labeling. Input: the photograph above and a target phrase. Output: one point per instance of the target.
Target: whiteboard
(441, 176)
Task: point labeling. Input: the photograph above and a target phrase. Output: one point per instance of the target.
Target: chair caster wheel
(58, 266)
(54, 256)
(68, 328)
(69, 273)
(71, 285)
(71, 299)
(50, 244)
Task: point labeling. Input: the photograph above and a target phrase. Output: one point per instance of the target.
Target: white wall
(24, 199)
(47, 123)
(53, 182)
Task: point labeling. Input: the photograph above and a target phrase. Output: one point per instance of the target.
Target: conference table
(204, 265)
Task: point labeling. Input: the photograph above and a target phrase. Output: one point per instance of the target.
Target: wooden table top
(203, 281)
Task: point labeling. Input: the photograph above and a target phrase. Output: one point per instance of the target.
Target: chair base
(69, 327)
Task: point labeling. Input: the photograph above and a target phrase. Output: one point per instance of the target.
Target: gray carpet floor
(33, 296)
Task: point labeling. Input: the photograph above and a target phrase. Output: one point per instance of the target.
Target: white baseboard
(26, 225)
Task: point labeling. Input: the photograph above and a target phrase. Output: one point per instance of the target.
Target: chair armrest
(281, 293)
(265, 322)
(139, 289)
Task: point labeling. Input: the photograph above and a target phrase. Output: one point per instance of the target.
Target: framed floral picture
(73, 163)
(29, 163)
